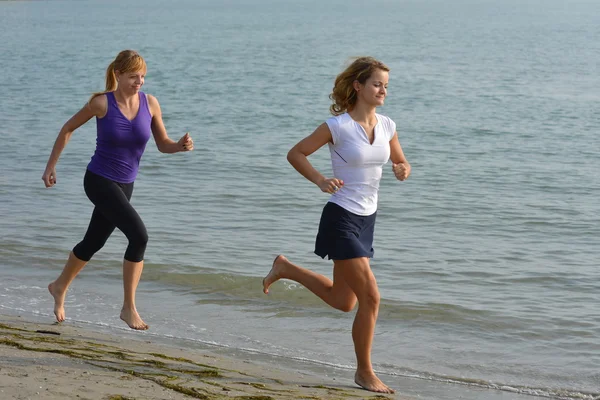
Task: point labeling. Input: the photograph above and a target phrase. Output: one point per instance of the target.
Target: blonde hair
(343, 94)
(126, 61)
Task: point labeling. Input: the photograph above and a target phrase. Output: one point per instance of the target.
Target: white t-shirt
(358, 163)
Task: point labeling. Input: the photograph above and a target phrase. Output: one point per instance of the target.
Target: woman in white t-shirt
(360, 142)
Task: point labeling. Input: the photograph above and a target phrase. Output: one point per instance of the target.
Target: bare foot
(370, 381)
(133, 319)
(59, 301)
(275, 273)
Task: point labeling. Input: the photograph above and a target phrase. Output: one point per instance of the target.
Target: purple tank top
(121, 142)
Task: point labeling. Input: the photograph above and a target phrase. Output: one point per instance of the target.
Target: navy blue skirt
(344, 235)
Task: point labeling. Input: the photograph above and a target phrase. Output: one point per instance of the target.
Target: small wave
(551, 393)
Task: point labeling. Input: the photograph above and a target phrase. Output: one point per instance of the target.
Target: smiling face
(131, 82)
(374, 90)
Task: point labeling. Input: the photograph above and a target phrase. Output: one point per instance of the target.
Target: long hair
(126, 61)
(343, 94)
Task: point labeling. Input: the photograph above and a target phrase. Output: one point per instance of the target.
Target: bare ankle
(56, 288)
(364, 371)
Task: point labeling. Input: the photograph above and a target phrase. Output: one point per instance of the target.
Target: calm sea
(487, 257)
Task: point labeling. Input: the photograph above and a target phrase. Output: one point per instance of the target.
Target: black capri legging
(112, 210)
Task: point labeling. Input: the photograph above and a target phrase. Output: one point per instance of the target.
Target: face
(374, 90)
(131, 81)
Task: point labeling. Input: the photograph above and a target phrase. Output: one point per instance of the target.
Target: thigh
(100, 228)
(112, 202)
(343, 291)
(357, 275)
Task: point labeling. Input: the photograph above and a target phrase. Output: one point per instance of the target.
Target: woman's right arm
(96, 107)
(297, 156)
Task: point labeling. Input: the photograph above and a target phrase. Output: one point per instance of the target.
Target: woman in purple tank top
(125, 120)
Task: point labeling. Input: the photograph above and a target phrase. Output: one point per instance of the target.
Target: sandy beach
(50, 361)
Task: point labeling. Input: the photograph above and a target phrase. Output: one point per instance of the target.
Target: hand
(330, 185)
(186, 143)
(49, 177)
(402, 171)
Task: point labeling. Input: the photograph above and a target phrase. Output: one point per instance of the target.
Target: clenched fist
(186, 143)
(401, 171)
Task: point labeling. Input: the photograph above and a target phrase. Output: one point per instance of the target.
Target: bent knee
(140, 238)
(137, 246)
(86, 249)
(347, 306)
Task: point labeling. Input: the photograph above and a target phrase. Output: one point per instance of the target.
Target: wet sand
(51, 361)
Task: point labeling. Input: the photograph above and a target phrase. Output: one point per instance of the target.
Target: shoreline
(57, 361)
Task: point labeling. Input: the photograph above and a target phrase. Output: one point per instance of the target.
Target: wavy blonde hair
(126, 61)
(343, 94)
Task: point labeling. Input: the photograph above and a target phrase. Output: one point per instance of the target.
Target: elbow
(292, 156)
(162, 148)
(296, 157)
(65, 133)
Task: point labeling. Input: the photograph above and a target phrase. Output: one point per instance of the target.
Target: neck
(125, 96)
(363, 112)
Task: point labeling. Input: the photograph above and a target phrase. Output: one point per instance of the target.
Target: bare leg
(336, 293)
(357, 273)
(132, 271)
(58, 288)
(352, 280)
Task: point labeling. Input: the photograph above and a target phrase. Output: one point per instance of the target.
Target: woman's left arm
(163, 142)
(400, 166)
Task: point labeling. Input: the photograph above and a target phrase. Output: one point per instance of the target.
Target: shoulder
(337, 120)
(334, 123)
(98, 100)
(150, 99)
(99, 105)
(388, 124)
(386, 120)
(332, 120)
(153, 104)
